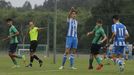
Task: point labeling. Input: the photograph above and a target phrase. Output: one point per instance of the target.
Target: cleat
(73, 68)
(30, 65)
(121, 67)
(100, 66)
(16, 66)
(62, 67)
(41, 63)
(90, 67)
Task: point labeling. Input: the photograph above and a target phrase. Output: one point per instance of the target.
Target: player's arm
(104, 39)
(40, 29)
(92, 32)
(72, 9)
(16, 33)
(104, 36)
(113, 33)
(112, 37)
(126, 33)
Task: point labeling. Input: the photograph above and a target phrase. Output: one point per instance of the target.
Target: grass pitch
(52, 69)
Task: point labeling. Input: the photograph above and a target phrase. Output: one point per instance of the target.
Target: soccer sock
(14, 61)
(31, 59)
(119, 61)
(98, 59)
(71, 60)
(91, 61)
(36, 57)
(64, 60)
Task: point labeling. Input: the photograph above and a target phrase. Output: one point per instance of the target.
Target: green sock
(98, 59)
(14, 61)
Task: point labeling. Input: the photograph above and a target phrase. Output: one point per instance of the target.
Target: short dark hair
(116, 17)
(100, 21)
(9, 19)
(74, 11)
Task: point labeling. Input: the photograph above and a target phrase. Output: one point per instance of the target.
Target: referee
(33, 34)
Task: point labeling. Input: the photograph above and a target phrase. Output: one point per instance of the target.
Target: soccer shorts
(119, 50)
(13, 47)
(95, 48)
(71, 42)
(33, 46)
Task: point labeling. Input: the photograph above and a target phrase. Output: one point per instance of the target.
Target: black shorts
(33, 46)
(13, 47)
(95, 48)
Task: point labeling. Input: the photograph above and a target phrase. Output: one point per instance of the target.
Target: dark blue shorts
(119, 50)
(13, 47)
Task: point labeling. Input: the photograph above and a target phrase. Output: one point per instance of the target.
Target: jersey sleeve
(36, 28)
(114, 28)
(94, 29)
(14, 29)
(103, 33)
(126, 32)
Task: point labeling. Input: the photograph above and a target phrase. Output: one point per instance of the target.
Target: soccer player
(71, 39)
(119, 34)
(33, 33)
(99, 38)
(13, 37)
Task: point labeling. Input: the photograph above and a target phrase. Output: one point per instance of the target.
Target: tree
(4, 4)
(27, 6)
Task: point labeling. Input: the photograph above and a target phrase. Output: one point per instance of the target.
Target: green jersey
(33, 33)
(12, 31)
(99, 33)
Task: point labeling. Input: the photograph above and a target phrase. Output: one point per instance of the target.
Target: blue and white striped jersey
(72, 27)
(120, 32)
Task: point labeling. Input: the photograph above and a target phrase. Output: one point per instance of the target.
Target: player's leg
(13, 48)
(108, 57)
(33, 56)
(35, 44)
(91, 57)
(97, 57)
(71, 58)
(126, 55)
(12, 54)
(99, 61)
(12, 58)
(74, 48)
(119, 57)
(67, 51)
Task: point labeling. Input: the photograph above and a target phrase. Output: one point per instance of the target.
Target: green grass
(52, 69)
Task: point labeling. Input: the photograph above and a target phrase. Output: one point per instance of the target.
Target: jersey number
(121, 31)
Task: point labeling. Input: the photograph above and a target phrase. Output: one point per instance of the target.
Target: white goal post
(25, 48)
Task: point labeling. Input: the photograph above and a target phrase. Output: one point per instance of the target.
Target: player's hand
(110, 40)
(6, 38)
(101, 42)
(88, 33)
(72, 8)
